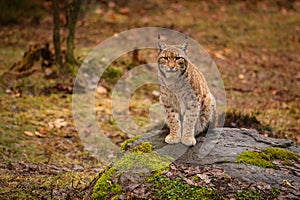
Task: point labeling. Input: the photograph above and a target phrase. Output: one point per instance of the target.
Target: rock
(217, 151)
(221, 147)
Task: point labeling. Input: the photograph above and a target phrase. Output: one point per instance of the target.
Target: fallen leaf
(50, 125)
(241, 76)
(38, 134)
(60, 123)
(28, 133)
(286, 183)
(98, 11)
(146, 20)
(16, 95)
(124, 11)
(219, 55)
(176, 6)
(189, 181)
(101, 90)
(43, 131)
(204, 177)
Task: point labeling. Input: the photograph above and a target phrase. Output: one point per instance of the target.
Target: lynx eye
(177, 58)
(163, 58)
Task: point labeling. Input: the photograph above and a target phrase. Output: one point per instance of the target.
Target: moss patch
(142, 156)
(136, 159)
(126, 143)
(104, 186)
(112, 74)
(144, 147)
(151, 161)
(166, 188)
(254, 195)
(266, 157)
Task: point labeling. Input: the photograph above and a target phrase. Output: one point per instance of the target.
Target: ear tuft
(185, 44)
(161, 45)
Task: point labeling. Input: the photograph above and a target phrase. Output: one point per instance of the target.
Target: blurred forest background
(255, 44)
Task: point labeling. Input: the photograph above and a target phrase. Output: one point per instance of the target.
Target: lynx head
(172, 59)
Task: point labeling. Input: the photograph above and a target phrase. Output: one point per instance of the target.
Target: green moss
(144, 147)
(266, 157)
(166, 188)
(112, 75)
(140, 157)
(152, 161)
(255, 158)
(124, 146)
(254, 195)
(104, 186)
(155, 174)
(248, 194)
(282, 154)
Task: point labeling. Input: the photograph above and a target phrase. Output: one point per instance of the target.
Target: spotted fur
(189, 105)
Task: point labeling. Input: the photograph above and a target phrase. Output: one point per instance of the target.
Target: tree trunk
(73, 9)
(56, 34)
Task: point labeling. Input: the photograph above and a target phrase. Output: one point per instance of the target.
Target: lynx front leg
(189, 124)
(171, 106)
(175, 127)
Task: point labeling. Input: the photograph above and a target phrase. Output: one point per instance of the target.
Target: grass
(29, 158)
(112, 74)
(48, 140)
(40, 186)
(9, 55)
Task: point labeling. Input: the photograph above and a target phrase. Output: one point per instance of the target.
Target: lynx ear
(185, 44)
(161, 45)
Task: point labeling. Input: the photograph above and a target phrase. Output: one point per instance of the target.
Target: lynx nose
(171, 69)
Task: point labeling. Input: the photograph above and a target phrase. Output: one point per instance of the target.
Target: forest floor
(255, 46)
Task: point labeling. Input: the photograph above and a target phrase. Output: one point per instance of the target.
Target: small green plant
(126, 143)
(112, 75)
(266, 157)
(144, 147)
(139, 157)
(105, 187)
(254, 195)
(248, 194)
(166, 188)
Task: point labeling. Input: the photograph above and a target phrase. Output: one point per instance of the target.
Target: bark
(56, 33)
(72, 11)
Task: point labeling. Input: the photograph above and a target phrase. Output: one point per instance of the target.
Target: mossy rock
(130, 168)
(145, 160)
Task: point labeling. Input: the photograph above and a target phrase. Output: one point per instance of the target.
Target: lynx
(189, 105)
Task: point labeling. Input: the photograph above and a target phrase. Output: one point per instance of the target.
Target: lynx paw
(188, 141)
(172, 139)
